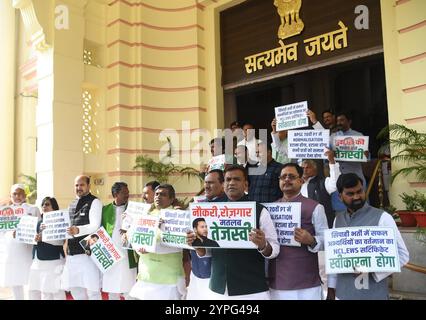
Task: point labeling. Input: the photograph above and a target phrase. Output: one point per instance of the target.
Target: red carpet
(104, 296)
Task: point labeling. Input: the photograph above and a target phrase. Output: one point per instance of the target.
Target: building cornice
(31, 23)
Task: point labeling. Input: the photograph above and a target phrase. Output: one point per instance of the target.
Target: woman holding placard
(48, 262)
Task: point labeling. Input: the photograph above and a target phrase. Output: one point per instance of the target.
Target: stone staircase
(402, 295)
(410, 283)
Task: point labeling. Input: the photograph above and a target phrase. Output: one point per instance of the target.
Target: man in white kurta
(122, 276)
(16, 257)
(161, 274)
(81, 276)
(250, 141)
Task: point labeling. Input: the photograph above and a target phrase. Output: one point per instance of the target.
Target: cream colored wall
(94, 164)
(26, 100)
(7, 89)
(60, 73)
(19, 131)
(404, 32)
(158, 68)
(155, 81)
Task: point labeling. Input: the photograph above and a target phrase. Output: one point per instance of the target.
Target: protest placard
(102, 250)
(9, 217)
(27, 229)
(199, 199)
(217, 162)
(143, 233)
(55, 225)
(308, 144)
(350, 148)
(292, 116)
(134, 209)
(174, 227)
(361, 249)
(229, 224)
(286, 216)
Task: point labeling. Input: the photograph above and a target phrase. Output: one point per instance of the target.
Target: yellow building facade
(99, 82)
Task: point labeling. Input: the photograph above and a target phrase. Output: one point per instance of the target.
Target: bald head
(82, 186)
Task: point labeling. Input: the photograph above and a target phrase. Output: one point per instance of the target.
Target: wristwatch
(314, 244)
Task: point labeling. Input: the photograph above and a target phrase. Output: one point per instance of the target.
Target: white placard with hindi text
(174, 227)
(9, 217)
(143, 233)
(308, 144)
(103, 252)
(292, 116)
(217, 162)
(350, 148)
(27, 229)
(361, 249)
(228, 224)
(286, 216)
(133, 210)
(56, 224)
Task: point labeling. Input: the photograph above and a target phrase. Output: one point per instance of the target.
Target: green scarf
(108, 222)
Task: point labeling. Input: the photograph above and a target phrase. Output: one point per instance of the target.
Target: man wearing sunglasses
(294, 273)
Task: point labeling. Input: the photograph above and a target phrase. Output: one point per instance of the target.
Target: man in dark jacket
(240, 273)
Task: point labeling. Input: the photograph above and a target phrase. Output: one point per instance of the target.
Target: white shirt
(116, 236)
(251, 147)
(268, 227)
(95, 218)
(330, 182)
(386, 220)
(318, 126)
(281, 148)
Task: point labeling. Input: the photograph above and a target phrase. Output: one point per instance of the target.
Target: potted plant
(421, 213)
(163, 170)
(410, 147)
(407, 216)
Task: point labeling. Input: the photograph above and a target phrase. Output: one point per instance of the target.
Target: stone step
(402, 295)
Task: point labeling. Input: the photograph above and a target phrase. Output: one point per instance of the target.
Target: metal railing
(415, 268)
(377, 172)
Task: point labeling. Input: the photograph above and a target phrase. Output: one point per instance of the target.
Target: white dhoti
(254, 296)
(198, 288)
(45, 275)
(15, 261)
(323, 275)
(152, 291)
(119, 279)
(314, 293)
(80, 272)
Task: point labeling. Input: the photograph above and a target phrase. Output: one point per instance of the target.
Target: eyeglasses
(289, 176)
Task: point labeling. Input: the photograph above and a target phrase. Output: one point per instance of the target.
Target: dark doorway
(255, 107)
(357, 87)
